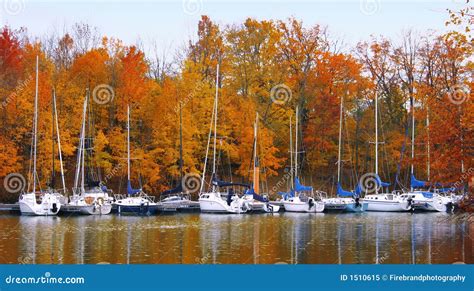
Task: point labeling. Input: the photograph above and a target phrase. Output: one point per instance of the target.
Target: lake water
(285, 238)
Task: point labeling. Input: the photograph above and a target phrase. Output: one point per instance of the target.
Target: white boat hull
(50, 204)
(387, 206)
(342, 204)
(90, 203)
(136, 205)
(386, 203)
(421, 202)
(213, 203)
(296, 205)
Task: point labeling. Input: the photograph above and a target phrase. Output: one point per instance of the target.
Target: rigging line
(397, 175)
(353, 171)
(30, 174)
(386, 169)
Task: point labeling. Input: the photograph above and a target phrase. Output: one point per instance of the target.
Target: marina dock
(10, 207)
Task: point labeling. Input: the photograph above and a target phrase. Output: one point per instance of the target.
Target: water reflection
(369, 238)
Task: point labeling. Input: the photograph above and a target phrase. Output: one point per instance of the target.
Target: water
(386, 238)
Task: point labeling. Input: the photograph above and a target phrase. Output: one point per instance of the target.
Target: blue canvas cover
(415, 183)
(343, 193)
(380, 182)
(178, 189)
(299, 187)
(130, 190)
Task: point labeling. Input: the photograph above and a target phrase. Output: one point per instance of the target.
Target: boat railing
(151, 199)
(119, 196)
(320, 194)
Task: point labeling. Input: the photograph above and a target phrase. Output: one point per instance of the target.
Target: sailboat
(137, 201)
(90, 197)
(215, 200)
(49, 201)
(302, 198)
(421, 199)
(257, 202)
(177, 199)
(385, 202)
(345, 201)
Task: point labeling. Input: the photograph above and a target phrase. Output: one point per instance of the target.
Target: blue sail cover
(178, 189)
(251, 191)
(299, 187)
(358, 190)
(259, 198)
(417, 183)
(287, 195)
(130, 190)
(444, 190)
(380, 182)
(343, 193)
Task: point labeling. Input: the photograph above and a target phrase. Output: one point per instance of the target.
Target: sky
(171, 23)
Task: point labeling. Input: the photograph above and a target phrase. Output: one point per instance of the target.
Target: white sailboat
(302, 198)
(345, 201)
(136, 201)
(89, 197)
(215, 200)
(49, 201)
(257, 202)
(385, 202)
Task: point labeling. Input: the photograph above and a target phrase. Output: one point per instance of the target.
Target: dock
(13, 207)
(189, 206)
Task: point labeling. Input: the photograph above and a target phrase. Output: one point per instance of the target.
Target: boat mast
(296, 144)
(376, 135)
(83, 143)
(59, 141)
(81, 140)
(256, 182)
(376, 139)
(291, 150)
(412, 105)
(215, 129)
(428, 161)
(128, 145)
(35, 126)
(340, 141)
(52, 139)
(181, 141)
(207, 149)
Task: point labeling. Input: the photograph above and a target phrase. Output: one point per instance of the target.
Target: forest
(266, 66)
